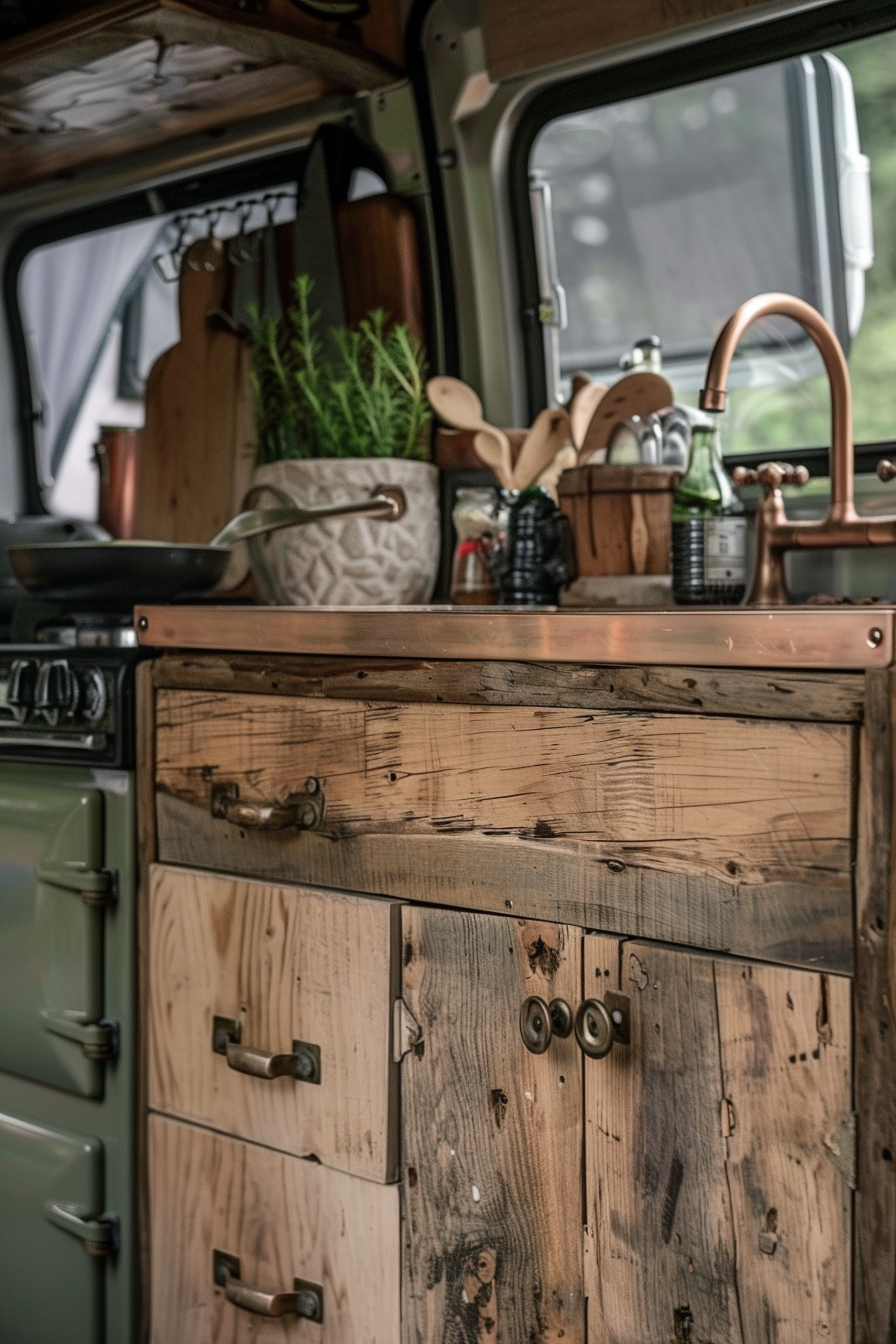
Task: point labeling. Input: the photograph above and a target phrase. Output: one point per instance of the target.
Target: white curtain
(69, 294)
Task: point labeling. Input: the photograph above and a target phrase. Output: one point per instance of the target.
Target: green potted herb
(336, 417)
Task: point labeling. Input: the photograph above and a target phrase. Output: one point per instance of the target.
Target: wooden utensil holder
(621, 518)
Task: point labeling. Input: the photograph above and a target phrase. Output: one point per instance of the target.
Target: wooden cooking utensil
(549, 433)
(493, 448)
(458, 405)
(637, 394)
(584, 403)
(198, 450)
(550, 477)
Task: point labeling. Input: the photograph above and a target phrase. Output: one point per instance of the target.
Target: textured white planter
(350, 562)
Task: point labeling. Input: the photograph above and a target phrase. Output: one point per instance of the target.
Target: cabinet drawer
(303, 977)
(278, 1220)
(721, 833)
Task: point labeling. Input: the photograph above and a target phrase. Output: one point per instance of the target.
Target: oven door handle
(94, 886)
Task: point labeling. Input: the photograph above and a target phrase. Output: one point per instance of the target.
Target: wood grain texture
(621, 518)
(376, 239)
(691, 795)
(833, 697)
(716, 1209)
(528, 34)
(284, 1219)
(198, 446)
(290, 964)
(787, 917)
(875, 1031)
(491, 1136)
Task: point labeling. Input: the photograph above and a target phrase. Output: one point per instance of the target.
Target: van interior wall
(523, 35)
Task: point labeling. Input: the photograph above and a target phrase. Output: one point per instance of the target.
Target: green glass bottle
(709, 530)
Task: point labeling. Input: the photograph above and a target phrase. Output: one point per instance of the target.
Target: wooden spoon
(550, 477)
(582, 407)
(638, 394)
(493, 448)
(458, 405)
(550, 432)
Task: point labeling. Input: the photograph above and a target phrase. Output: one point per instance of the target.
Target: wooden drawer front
(720, 833)
(283, 1219)
(289, 964)
(719, 1153)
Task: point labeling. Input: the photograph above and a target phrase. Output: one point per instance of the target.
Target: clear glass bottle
(709, 530)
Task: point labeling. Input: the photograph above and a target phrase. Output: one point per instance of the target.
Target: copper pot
(116, 454)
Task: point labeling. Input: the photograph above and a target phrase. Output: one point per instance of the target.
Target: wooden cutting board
(198, 446)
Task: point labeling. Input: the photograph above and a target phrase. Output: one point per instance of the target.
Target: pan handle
(386, 502)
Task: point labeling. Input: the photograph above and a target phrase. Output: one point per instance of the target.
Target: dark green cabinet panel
(51, 1286)
(51, 932)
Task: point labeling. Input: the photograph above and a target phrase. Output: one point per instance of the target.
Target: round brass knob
(561, 1018)
(594, 1029)
(536, 1027)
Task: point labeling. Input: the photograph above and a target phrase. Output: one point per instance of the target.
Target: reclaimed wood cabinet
(595, 1023)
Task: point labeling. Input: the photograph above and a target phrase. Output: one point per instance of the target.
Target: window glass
(97, 311)
(669, 211)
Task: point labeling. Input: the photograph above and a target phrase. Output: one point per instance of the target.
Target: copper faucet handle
(886, 470)
(771, 475)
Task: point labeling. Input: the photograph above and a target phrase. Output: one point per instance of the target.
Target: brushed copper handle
(301, 811)
(771, 475)
(305, 1300)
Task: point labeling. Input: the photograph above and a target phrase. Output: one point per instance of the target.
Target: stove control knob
(22, 688)
(57, 691)
(93, 697)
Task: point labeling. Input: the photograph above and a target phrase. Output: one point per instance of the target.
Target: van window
(659, 215)
(97, 310)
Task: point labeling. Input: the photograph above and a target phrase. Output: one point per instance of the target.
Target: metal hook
(172, 261)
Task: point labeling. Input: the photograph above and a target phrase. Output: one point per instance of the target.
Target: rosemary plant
(366, 399)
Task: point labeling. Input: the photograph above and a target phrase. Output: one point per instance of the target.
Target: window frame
(779, 39)
(178, 195)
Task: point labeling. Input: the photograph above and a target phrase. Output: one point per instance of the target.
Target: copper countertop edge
(808, 638)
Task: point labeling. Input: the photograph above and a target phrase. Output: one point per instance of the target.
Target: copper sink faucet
(775, 532)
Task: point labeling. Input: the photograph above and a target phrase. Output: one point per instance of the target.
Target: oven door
(53, 1237)
(53, 891)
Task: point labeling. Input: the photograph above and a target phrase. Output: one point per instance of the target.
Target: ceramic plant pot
(349, 562)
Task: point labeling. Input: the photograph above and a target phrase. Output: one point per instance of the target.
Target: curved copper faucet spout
(714, 394)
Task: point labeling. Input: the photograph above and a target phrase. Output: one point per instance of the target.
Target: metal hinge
(841, 1148)
(101, 1236)
(98, 1040)
(95, 886)
(406, 1031)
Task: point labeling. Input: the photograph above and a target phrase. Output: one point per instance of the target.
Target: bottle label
(725, 550)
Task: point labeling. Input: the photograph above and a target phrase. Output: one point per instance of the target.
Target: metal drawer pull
(95, 887)
(603, 1023)
(303, 1063)
(540, 1022)
(99, 1235)
(305, 1300)
(301, 811)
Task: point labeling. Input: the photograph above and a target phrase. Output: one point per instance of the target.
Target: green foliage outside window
(798, 415)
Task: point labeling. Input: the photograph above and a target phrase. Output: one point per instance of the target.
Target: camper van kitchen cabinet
(698, 857)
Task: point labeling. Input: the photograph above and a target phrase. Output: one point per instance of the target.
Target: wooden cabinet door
(285, 1224)
(290, 968)
(717, 1151)
(491, 1134)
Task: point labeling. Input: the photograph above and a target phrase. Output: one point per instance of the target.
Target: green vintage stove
(67, 987)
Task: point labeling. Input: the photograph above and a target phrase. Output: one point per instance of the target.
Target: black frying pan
(107, 573)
